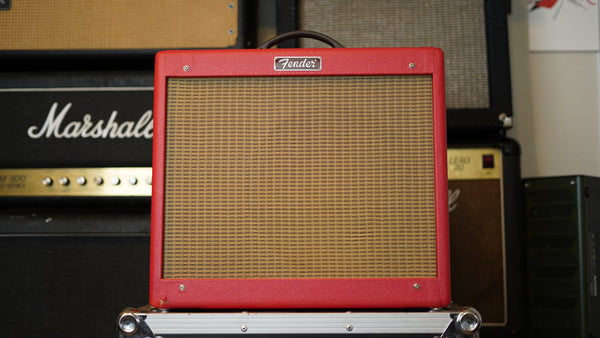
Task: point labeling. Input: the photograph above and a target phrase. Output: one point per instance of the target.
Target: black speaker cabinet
(486, 234)
(69, 271)
(473, 35)
(563, 232)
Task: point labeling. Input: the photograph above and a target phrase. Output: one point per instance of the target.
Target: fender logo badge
(311, 63)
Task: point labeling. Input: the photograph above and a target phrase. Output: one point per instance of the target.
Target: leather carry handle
(300, 34)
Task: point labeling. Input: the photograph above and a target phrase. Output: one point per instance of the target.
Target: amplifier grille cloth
(457, 27)
(299, 177)
(118, 24)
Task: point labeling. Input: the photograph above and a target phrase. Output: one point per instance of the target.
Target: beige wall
(556, 105)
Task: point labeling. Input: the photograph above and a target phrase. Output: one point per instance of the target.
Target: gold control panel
(64, 182)
(468, 163)
(474, 163)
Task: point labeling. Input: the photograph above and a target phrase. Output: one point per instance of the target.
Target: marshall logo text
(87, 128)
(304, 63)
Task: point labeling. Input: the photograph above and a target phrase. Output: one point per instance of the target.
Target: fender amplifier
(299, 178)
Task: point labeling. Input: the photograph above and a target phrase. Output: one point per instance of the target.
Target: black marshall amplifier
(76, 134)
(75, 168)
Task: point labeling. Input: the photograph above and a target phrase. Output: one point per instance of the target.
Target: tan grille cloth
(299, 177)
(118, 24)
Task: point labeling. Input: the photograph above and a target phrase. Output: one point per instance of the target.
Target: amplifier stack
(76, 127)
(376, 177)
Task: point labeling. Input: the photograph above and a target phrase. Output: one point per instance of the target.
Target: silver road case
(453, 321)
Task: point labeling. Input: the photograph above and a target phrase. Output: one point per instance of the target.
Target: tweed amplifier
(299, 178)
(472, 34)
(42, 32)
(76, 134)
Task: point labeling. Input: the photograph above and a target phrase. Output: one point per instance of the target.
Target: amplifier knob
(81, 180)
(63, 180)
(133, 180)
(98, 180)
(115, 180)
(47, 181)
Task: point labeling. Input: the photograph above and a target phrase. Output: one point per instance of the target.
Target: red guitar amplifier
(300, 178)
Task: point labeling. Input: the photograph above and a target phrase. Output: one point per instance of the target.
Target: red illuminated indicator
(488, 161)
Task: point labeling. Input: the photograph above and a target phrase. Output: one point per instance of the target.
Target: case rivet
(412, 65)
(349, 327)
(244, 328)
(417, 286)
(181, 287)
(186, 68)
